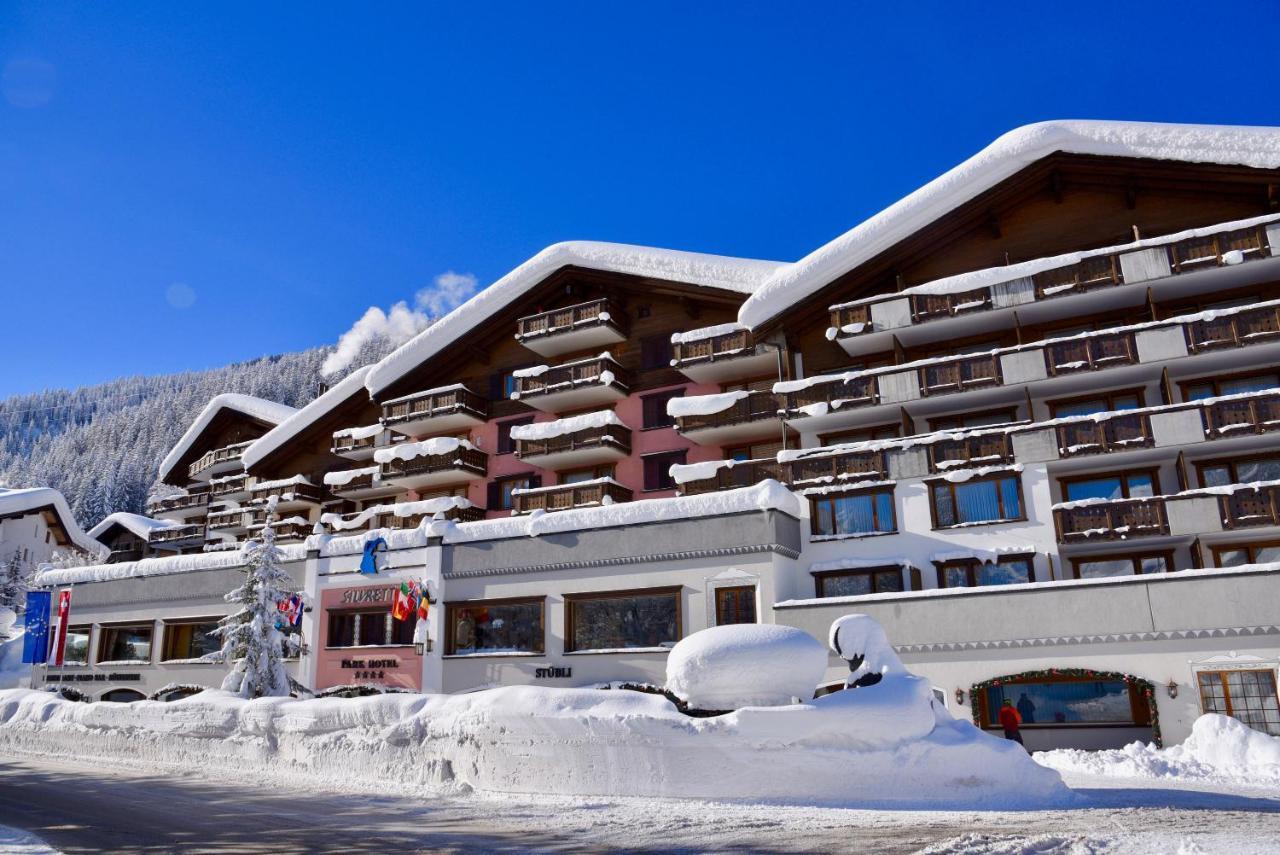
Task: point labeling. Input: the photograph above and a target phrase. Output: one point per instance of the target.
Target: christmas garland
(1146, 687)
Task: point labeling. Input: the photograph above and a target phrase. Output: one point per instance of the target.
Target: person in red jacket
(1011, 721)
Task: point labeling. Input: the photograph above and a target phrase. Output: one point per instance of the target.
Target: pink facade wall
(330, 670)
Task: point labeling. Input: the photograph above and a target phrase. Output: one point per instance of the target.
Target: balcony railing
(568, 319)
(858, 392)
(728, 345)
(1122, 432)
(391, 520)
(928, 307)
(288, 492)
(471, 460)
(1076, 355)
(1247, 327)
(1248, 508)
(569, 496)
(185, 502)
(1118, 520)
(133, 553)
(360, 483)
(1099, 271)
(222, 520)
(285, 529)
(225, 486)
(743, 473)
(226, 454)
(1215, 249)
(850, 320)
(838, 466)
(176, 534)
(615, 437)
(1243, 416)
(988, 449)
(559, 378)
(961, 374)
(756, 407)
(437, 403)
(346, 443)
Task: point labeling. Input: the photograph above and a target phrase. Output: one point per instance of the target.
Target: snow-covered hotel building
(1026, 417)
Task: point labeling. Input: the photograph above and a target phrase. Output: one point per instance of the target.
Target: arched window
(122, 696)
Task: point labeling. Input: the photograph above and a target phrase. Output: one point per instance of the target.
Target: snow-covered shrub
(176, 691)
(357, 690)
(742, 665)
(68, 693)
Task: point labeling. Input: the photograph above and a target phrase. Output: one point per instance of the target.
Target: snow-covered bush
(68, 693)
(742, 665)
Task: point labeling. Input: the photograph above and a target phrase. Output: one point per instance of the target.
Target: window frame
(866, 434)
(1232, 463)
(972, 564)
(570, 601)
(504, 432)
(816, 500)
(1139, 711)
(935, 424)
(820, 578)
(737, 589)
(1216, 382)
(951, 486)
(105, 630)
(669, 422)
(1122, 474)
(665, 473)
(1251, 548)
(176, 622)
(498, 483)
(1135, 558)
(1109, 397)
(450, 638)
(1221, 674)
(87, 630)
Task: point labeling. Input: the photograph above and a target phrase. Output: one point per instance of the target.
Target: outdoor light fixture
(959, 696)
(1173, 688)
(421, 647)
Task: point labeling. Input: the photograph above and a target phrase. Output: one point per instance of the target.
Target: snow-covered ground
(14, 841)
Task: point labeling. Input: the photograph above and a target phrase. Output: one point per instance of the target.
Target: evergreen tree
(13, 584)
(250, 638)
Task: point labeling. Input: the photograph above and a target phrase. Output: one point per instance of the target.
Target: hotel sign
(367, 596)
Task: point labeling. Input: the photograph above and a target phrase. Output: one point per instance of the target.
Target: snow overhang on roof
(300, 420)
(255, 408)
(741, 275)
(1227, 145)
(37, 499)
(134, 523)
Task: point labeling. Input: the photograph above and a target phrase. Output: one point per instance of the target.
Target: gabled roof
(260, 409)
(741, 275)
(1255, 147)
(299, 420)
(134, 523)
(33, 500)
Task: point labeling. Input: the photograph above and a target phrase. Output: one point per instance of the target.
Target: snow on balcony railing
(592, 313)
(356, 438)
(563, 497)
(297, 488)
(545, 379)
(589, 430)
(697, 412)
(433, 403)
(430, 455)
(709, 344)
(1223, 244)
(226, 454)
(180, 502)
(403, 514)
(711, 476)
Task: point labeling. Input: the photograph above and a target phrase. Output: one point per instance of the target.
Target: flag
(402, 605)
(369, 563)
(60, 633)
(290, 611)
(35, 640)
(424, 604)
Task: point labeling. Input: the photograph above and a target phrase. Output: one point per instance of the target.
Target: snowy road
(79, 807)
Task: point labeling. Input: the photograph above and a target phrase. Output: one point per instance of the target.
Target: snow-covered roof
(742, 275)
(271, 412)
(14, 502)
(300, 420)
(1256, 147)
(134, 523)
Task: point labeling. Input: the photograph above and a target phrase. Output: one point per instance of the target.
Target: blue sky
(183, 185)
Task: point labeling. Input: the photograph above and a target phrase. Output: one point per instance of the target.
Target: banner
(35, 640)
(60, 629)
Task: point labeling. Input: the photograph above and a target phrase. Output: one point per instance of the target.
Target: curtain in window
(1004, 572)
(977, 501)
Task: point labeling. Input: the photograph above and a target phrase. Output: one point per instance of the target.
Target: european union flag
(35, 641)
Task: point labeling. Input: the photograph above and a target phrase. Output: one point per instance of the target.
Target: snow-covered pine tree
(13, 584)
(250, 639)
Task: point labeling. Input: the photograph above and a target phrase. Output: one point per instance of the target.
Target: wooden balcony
(217, 462)
(364, 484)
(841, 394)
(723, 357)
(752, 417)
(232, 488)
(454, 467)
(286, 531)
(1250, 326)
(960, 375)
(1117, 520)
(1219, 249)
(391, 520)
(598, 323)
(362, 444)
(1121, 432)
(988, 449)
(1243, 416)
(585, 447)
(839, 466)
(452, 408)
(177, 537)
(565, 497)
(1090, 353)
(1251, 508)
(1099, 271)
(929, 307)
(228, 522)
(289, 496)
(743, 473)
(180, 507)
(133, 553)
(574, 385)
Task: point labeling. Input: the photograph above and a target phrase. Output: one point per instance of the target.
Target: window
(622, 619)
(369, 629)
(125, 643)
(985, 418)
(500, 496)
(655, 409)
(577, 476)
(503, 383)
(755, 451)
(1212, 387)
(655, 352)
(892, 431)
(851, 583)
(1130, 399)
(1067, 701)
(77, 650)
(1249, 696)
(869, 512)
(1100, 567)
(987, 500)
(123, 696)
(736, 605)
(1123, 485)
(1245, 553)
(507, 445)
(973, 573)
(1242, 470)
(656, 466)
(190, 640)
(494, 626)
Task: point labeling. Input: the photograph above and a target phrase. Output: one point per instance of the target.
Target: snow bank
(161, 566)
(704, 405)
(744, 665)
(13, 672)
(1220, 749)
(560, 427)
(357, 433)
(428, 507)
(340, 477)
